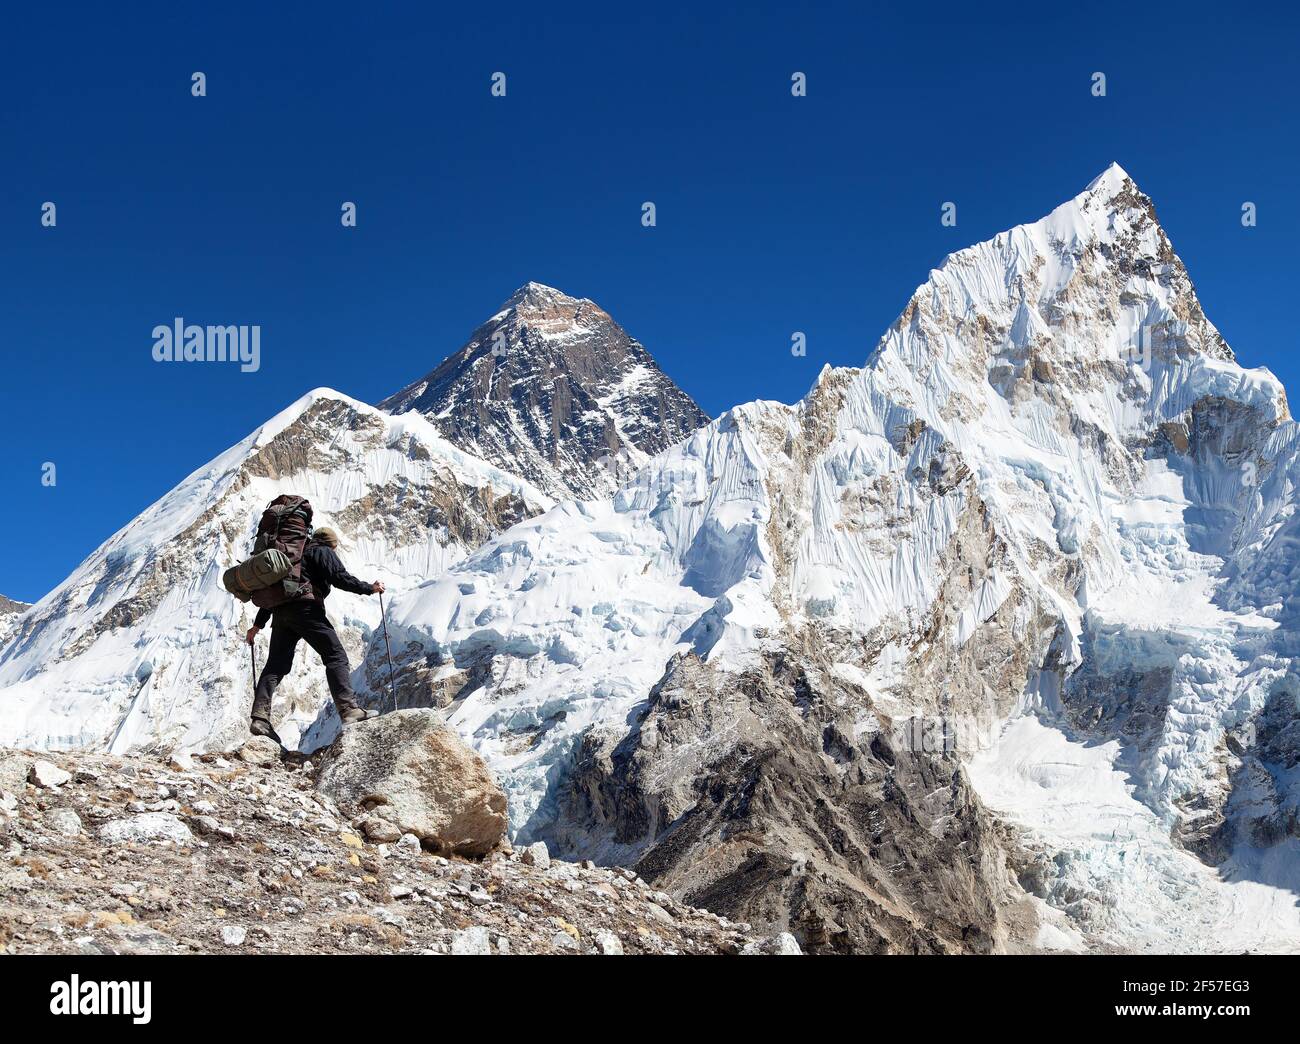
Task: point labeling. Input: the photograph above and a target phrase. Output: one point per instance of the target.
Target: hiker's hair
(327, 536)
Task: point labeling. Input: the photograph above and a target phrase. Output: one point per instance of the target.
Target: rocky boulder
(415, 773)
(145, 828)
(47, 775)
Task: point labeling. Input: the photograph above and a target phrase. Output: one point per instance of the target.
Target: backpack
(273, 575)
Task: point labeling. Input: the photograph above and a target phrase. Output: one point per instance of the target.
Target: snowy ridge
(140, 646)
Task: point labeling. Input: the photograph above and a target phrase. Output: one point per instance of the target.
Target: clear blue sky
(775, 214)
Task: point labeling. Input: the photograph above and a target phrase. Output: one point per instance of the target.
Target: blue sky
(775, 214)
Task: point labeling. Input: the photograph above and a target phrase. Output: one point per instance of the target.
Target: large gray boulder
(415, 773)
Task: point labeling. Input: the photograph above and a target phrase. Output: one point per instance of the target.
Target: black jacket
(325, 571)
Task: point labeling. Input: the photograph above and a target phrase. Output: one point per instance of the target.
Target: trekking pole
(252, 655)
(383, 619)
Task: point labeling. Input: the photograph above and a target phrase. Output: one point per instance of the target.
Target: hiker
(304, 617)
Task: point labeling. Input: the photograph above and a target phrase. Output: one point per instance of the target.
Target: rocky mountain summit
(105, 854)
(552, 389)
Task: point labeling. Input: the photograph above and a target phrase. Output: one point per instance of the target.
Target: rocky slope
(1031, 564)
(552, 389)
(792, 821)
(139, 649)
(105, 854)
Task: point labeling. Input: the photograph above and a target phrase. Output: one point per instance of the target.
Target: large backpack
(273, 575)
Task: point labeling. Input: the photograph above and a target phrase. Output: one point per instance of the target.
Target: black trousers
(306, 621)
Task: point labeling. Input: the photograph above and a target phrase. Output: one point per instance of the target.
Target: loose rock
(48, 775)
(471, 942)
(781, 945)
(148, 826)
(65, 821)
(13, 772)
(283, 873)
(380, 830)
(608, 943)
(537, 855)
(260, 750)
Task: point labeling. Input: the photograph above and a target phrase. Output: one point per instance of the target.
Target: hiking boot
(262, 727)
(355, 714)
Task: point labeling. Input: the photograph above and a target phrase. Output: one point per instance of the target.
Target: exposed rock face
(551, 388)
(763, 797)
(9, 613)
(138, 649)
(416, 774)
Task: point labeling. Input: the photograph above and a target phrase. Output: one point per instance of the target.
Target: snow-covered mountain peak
(551, 388)
(1110, 179)
(1088, 300)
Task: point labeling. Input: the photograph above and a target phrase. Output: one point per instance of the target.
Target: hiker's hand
(252, 634)
(377, 587)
